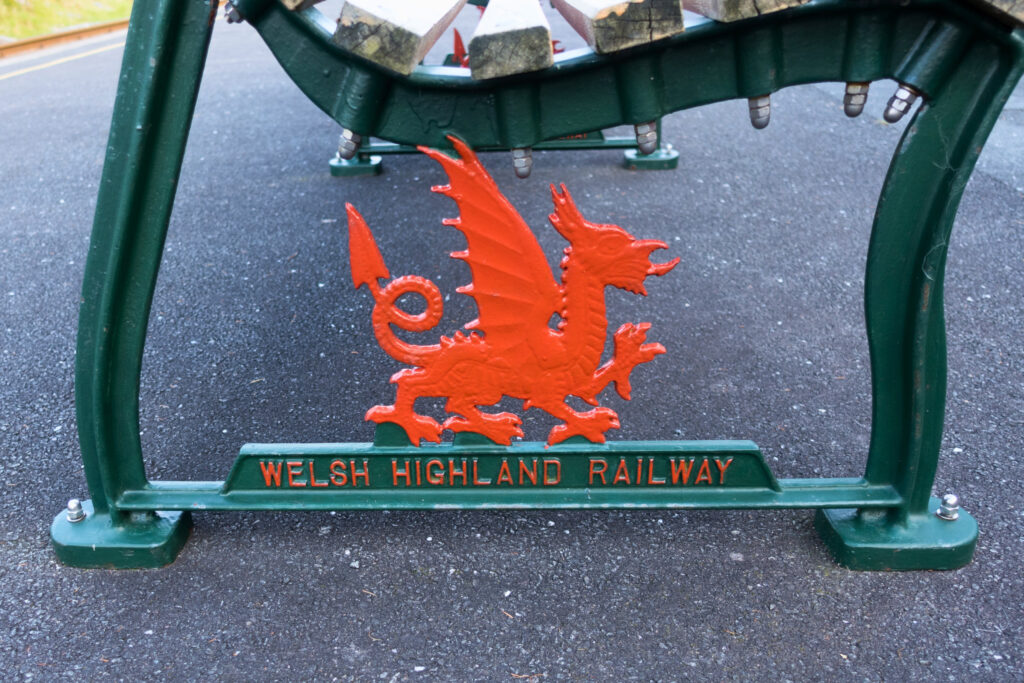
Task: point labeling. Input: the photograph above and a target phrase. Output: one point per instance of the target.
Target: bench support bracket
(963, 63)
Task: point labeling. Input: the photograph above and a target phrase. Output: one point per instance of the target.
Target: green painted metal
(475, 472)
(143, 540)
(965, 64)
(661, 159)
(869, 540)
(368, 161)
(363, 164)
(583, 91)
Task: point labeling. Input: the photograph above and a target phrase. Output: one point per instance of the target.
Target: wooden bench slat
(734, 10)
(513, 37)
(392, 33)
(297, 5)
(610, 26)
(1013, 8)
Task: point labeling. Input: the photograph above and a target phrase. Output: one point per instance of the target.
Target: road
(257, 335)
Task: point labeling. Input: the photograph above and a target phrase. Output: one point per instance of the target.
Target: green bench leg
(163, 61)
(965, 67)
(873, 540)
(143, 540)
(904, 311)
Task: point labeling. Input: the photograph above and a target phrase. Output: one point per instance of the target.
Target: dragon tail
(368, 269)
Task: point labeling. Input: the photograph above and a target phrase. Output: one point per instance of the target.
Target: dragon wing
(514, 290)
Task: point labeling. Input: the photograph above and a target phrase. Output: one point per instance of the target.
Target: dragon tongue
(662, 268)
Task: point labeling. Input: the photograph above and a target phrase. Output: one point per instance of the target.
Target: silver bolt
(232, 14)
(760, 111)
(900, 103)
(522, 161)
(75, 511)
(348, 143)
(647, 137)
(854, 99)
(949, 510)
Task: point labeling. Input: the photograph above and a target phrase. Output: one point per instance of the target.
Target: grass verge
(28, 18)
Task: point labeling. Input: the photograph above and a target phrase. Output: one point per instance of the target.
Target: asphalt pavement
(256, 335)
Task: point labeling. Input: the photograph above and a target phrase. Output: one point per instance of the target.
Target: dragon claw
(591, 425)
(499, 427)
(416, 426)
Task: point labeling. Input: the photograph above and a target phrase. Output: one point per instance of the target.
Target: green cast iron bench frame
(964, 62)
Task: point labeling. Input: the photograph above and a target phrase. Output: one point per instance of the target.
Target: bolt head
(855, 98)
(900, 103)
(76, 513)
(949, 510)
(760, 111)
(647, 137)
(348, 144)
(522, 161)
(232, 14)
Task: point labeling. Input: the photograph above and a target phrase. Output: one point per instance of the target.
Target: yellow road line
(62, 60)
(61, 37)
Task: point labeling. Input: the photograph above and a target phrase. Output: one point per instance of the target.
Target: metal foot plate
(662, 159)
(355, 167)
(870, 541)
(148, 541)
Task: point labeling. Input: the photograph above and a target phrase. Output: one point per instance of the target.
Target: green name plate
(475, 473)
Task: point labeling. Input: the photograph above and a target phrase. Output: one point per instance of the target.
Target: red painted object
(511, 350)
(460, 55)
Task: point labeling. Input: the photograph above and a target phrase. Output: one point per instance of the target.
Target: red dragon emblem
(511, 349)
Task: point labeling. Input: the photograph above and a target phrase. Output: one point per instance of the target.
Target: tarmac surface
(256, 335)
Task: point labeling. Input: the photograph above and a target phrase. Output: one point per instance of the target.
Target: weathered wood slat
(734, 10)
(610, 26)
(296, 5)
(394, 34)
(513, 37)
(1013, 8)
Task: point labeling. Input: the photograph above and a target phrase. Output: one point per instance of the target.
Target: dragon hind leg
(402, 413)
(498, 427)
(591, 425)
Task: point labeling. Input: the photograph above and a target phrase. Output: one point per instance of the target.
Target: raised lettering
(722, 468)
(395, 473)
(680, 469)
(639, 470)
(271, 474)
(312, 478)
(419, 481)
(365, 474)
(504, 475)
(295, 469)
(704, 473)
(477, 481)
(594, 472)
(338, 475)
(552, 480)
(530, 474)
(439, 478)
(452, 472)
(621, 473)
(650, 473)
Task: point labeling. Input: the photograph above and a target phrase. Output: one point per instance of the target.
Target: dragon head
(607, 251)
